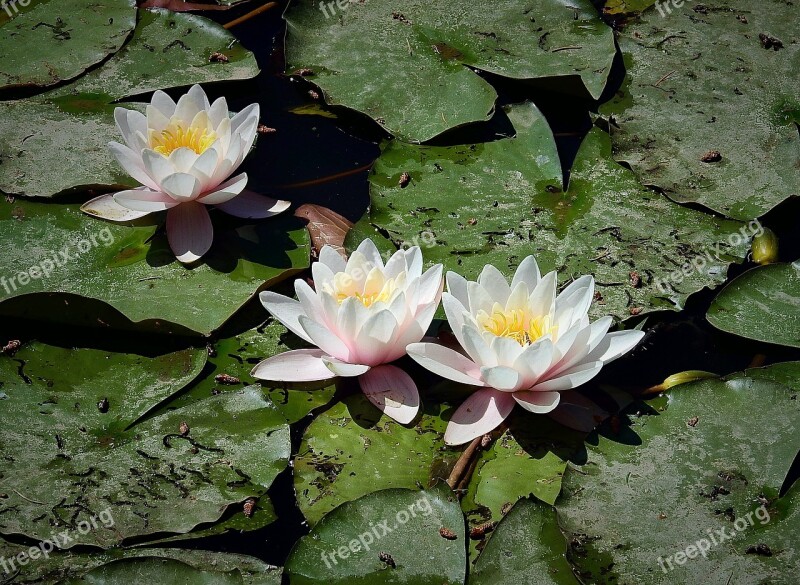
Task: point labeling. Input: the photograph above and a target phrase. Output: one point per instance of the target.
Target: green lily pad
(709, 110)
(237, 356)
(408, 67)
(761, 304)
(57, 141)
(391, 536)
(710, 456)
(60, 567)
(527, 547)
(76, 465)
(54, 41)
(131, 268)
(498, 202)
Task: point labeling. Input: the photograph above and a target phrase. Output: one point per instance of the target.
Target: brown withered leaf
(326, 227)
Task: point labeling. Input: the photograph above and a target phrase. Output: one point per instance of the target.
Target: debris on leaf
(227, 379)
(387, 558)
(711, 156)
(448, 534)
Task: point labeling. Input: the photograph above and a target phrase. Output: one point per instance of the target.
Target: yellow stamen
(175, 136)
(344, 287)
(515, 324)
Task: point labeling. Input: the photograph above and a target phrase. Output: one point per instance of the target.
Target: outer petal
(495, 284)
(571, 378)
(249, 205)
(344, 369)
(431, 285)
(226, 191)
(481, 413)
(144, 200)
(615, 345)
(534, 361)
(157, 165)
(164, 103)
(189, 231)
(445, 362)
(502, 378)
(457, 286)
(392, 391)
(181, 186)
(299, 365)
(324, 338)
(374, 340)
(332, 259)
(476, 347)
(105, 207)
(538, 402)
(287, 311)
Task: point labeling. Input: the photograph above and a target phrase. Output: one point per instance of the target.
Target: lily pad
(685, 468)
(131, 268)
(498, 202)
(392, 536)
(54, 41)
(57, 141)
(76, 464)
(709, 110)
(761, 304)
(527, 547)
(410, 67)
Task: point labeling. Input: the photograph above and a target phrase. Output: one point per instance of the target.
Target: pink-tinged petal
(325, 339)
(481, 413)
(157, 165)
(105, 207)
(344, 369)
(189, 231)
(457, 286)
(249, 205)
(455, 315)
(375, 339)
(492, 280)
(226, 191)
(331, 257)
(543, 297)
(615, 345)
(571, 378)
(527, 272)
(502, 378)
(414, 332)
(133, 165)
(476, 347)
(164, 103)
(309, 300)
(392, 391)
(145, 200)
(287, 311)
(181, 186)
(537, 402)
(299, 365)
(431, 285)
(445, 362)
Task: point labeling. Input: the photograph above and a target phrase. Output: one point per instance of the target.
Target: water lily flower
(361, 317)
(523, 345)
(183, 155)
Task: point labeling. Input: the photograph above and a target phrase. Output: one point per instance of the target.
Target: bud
(765, 247)
(685, 378)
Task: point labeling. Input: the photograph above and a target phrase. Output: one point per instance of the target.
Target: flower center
(175, 136)
(516, 324)
(344, 287)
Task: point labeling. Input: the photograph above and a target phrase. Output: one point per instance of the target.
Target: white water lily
(524, 344)
(361, 317)
(183, 155)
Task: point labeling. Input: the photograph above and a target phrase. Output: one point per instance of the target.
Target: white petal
(518, 299)
(157, 166)
(370, 252)
(332, 259)
(325, 339)
(431, 285)
(188, 105)
(457, 286)
(492, 280)
(226, 191)
(375, 338)
(455, 315)
(144, 200)
(527, 272)
(204, 166)
(309, 300)
(571, 378)
(320, 273)
(501, 378)
(247, 116)
(285, 310)
(506, 350)
(183, 159)
(414, 262)
(476, 347)
(344, 369)
(164, 103)
(133, 165)
(299, 365)
(615, 345)
(537, 402)
(189, 231)
(534, 361)
(543, 298)
(481, 413)
(445, 362)
(181, 186)
(156, 120)
(218, 112)
(479, 299)
(392, 391)
(105, 207)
